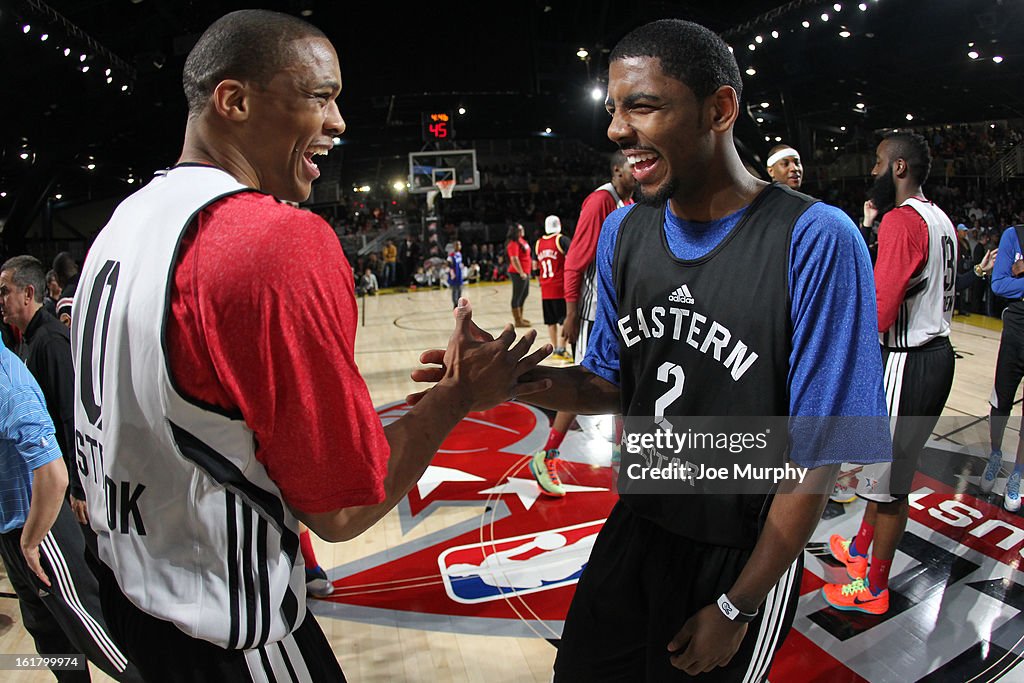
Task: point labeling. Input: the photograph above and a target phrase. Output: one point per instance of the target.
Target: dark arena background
(470, 577)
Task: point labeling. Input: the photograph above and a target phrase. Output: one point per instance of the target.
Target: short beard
(661, 195)
(883, 191)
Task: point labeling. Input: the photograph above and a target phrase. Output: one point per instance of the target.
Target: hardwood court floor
(390, 645)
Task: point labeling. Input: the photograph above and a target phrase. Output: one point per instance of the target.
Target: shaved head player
(212, 412)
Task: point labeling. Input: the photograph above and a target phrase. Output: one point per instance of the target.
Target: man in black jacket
(46, 350)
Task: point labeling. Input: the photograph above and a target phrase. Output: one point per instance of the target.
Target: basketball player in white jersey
(915, 278)
(214, 407)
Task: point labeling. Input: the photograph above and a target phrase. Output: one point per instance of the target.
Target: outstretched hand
(485, 368)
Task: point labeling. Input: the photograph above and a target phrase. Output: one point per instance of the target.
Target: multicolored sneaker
(1011, 497)
(856, 596)
(856, 566)
(317, 583)
(842, 493)
(991, 473)
(544, 466)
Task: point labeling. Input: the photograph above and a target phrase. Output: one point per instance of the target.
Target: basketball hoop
(446, 186)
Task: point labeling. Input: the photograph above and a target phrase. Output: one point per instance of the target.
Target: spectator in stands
(367, 282)
(390, 256)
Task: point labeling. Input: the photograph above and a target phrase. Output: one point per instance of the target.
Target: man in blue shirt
(1007, 281)
(40, 542)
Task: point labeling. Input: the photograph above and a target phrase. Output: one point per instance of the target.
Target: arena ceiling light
(973, 54)
(862, 7)
(997, 59)
(775, 34)
(910, 117)
(844, 34)
(597, 94)
(26, 28)
(805, 23)
(462, 111)
(751, 71)
(824, 16)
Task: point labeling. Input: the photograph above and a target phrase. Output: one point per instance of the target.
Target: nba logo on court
(507, 567)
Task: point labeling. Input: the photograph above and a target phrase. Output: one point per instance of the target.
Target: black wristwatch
(732, 612)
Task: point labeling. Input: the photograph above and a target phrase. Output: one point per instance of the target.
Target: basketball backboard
(425, 168)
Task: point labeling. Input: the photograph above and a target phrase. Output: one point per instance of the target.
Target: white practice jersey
(587, 304)
(927, 306)
(192, 526)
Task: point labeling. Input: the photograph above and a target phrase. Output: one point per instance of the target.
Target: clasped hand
(486, 369)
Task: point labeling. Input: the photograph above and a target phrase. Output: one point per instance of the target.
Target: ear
(723, 107)
(231, 100)
(900, 168)
(30, 292)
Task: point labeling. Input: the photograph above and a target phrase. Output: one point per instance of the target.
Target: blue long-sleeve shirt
(835, 364)
(27, 439)
(1003, 282)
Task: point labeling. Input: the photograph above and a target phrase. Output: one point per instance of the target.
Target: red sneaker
(856, 566)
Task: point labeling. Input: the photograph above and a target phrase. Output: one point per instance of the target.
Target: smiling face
(659, 125)
(788, 171)
(294, 118)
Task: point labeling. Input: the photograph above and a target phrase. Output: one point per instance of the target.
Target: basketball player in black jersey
(703, 587)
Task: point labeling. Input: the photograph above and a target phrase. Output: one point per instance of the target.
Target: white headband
(782, 154)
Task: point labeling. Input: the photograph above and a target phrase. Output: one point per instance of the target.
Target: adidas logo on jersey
(681, 295)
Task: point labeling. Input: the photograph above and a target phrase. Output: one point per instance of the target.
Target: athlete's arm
(583, 249)
(902, 252)
(49, 482)
(1003, 282)
(573, 390)
(478, 374)
(30, 430)
(580, 255)
(708, 638)
(279, 351)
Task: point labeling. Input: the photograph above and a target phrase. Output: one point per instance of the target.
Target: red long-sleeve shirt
(902, 253)
(595, 209)
(263, 320)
